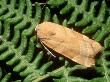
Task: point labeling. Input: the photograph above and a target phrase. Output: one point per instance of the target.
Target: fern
(18, 39)
(6, 77)
(64, 73)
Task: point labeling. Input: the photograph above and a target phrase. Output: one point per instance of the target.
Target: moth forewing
(69, 43)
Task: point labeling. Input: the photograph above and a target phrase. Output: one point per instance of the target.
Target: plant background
(23, 59)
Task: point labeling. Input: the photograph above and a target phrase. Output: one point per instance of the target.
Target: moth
(69, 43)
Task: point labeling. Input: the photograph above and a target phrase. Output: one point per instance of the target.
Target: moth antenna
(49, 52)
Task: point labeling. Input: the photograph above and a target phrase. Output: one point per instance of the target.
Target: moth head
(45, 30)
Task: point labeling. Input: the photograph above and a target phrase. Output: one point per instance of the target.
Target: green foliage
(20, 49)
(17, 45)
(64, 73)
(6, 77)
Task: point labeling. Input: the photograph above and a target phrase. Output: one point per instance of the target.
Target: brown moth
(71, 44)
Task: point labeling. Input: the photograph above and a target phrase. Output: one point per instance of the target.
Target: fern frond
(6, 77)
(18, 40)
(103, 66)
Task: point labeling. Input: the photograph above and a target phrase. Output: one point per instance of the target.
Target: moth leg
(48, 51)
